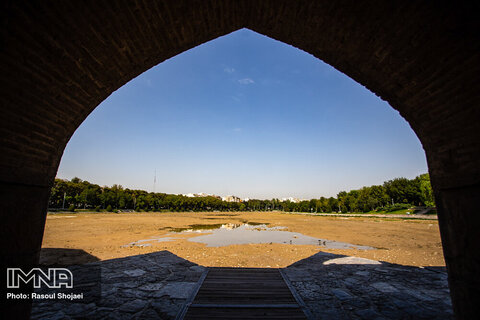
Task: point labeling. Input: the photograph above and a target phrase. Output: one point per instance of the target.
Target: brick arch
(60, 59)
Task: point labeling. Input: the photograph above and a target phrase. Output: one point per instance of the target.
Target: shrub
(71, 208)
(97, 209)
(397, 206)
(138, 209)
(109, 208)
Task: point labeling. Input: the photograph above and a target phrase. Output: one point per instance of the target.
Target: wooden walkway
(243, 293)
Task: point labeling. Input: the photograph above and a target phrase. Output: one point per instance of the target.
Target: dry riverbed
(84, 237)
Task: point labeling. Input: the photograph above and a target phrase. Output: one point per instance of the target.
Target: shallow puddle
(206, 227)
(219, 235)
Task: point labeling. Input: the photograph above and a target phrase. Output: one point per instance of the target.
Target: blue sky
(245, 115)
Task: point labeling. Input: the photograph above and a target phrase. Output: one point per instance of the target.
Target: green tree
(425, 190)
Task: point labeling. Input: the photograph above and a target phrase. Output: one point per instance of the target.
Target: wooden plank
(245, 313)
(250, 293)
(244, 301)
(183, 311)
(244, 305)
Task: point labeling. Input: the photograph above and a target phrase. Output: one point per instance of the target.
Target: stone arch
(61, 59)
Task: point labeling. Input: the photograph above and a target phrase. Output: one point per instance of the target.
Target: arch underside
(61, 59)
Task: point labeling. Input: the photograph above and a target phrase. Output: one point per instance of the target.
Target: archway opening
(56, 70)
(287, 135)
(247, 116)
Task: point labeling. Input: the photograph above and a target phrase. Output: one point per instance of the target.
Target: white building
(201, 194)
(231, 199)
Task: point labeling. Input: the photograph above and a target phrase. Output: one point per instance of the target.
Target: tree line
(394, 194)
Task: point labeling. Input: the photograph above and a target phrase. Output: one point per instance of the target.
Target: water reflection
(206, 227)
(219, 235)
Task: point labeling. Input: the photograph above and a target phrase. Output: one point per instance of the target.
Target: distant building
(231, 199)
(201, 194)
(291, 199)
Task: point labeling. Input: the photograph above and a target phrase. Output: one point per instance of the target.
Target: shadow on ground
(157, 285)
(64, 256)
(342, 287)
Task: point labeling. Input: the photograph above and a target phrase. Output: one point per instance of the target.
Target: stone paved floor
(149, 286)
(339, 287)
(157, 285)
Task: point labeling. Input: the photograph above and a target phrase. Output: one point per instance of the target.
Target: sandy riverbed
(83, 237)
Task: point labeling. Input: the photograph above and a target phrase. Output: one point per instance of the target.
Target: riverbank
(83, 237)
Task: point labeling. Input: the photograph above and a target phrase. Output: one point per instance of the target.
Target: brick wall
(60, 59)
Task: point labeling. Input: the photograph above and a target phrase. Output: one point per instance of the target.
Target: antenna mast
(154, 180)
